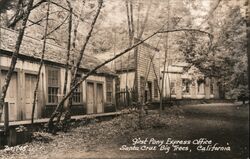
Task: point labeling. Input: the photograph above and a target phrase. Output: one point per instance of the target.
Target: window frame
(211, 89)
(49, 85)
(109, 80)
(80, 91)
(172, 88)
(200, 82)
(186, 86)
(156, 91)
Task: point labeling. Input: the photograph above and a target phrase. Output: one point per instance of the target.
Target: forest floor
(196, 128)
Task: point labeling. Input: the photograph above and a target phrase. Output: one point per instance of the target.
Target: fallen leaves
(89, 134)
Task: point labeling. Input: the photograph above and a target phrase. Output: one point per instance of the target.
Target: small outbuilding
(95, 95)
(183, 81)
(138, 73)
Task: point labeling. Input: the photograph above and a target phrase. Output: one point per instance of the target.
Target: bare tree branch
(40, 65)
(210, 12)
(188, 30)
(67, 112)
(41, 19)
(76, 15)
(35, 23)
(17, 17)
(153, 65)
(56, 28)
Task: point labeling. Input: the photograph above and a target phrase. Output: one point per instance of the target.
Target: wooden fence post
(6, 117)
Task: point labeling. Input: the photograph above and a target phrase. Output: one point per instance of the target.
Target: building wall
(19, 93)
(196, 91)
(172, 85)
(145, 69)
(26, 74)
(130, 76)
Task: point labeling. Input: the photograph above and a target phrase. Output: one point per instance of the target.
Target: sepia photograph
(83, 79)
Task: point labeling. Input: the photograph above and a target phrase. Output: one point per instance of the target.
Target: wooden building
(184, 82)
(95, 95)
(138, 72)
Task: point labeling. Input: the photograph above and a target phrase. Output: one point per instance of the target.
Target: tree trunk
(15, 55)
(163, 75)
(157, 78)
(56, 111)
(248, 45)
(74, 78)
(41, 64)
(129, 8)
(68, 54)
(67, 114)
(165, 61)
(18, 16)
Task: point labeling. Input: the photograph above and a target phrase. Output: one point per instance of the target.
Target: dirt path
(225, 124)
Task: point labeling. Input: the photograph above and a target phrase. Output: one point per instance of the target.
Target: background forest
(209, 37)
(223, 56)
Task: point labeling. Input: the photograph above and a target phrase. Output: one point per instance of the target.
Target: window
(109, 88)
(186, 86)
(77, 94)
(200, 83)
(172, 88)
(149, 90)
(212, 86)
(53, 85)
(156, 88)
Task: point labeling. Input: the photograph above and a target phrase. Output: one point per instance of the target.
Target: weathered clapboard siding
(130, 80)
(24, 70)
(20, 92)
(145, 68)
(127, 69)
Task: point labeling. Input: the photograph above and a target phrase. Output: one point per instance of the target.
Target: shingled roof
(32, 47)
(125, 62)
(128, 62)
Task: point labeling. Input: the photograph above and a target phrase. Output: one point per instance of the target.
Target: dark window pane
(109, 89)
(77, 94)
(53, 85)
(155, 89)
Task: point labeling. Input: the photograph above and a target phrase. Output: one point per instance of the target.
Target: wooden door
(99, 98)
(11, 95)
(30, 84)
(150, 91)
(90, 98)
